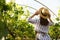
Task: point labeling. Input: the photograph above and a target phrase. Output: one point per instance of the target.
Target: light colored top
(39, 27)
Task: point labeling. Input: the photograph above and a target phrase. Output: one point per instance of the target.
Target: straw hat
(44, 13)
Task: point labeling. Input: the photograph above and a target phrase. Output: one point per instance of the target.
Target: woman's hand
(36, 13)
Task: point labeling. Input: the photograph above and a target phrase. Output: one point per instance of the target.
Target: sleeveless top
(38, 27)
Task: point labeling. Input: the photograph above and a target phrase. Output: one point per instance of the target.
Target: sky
(54, 5)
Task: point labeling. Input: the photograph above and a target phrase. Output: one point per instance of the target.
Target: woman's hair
(43, 21)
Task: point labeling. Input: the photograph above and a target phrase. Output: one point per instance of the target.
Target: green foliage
(57, 19)
(3, 29)
(13, 20)
(3, 5)
(55, 30)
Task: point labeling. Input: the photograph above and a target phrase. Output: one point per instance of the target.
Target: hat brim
(45, 17)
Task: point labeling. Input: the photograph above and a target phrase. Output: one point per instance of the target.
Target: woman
(42, 24)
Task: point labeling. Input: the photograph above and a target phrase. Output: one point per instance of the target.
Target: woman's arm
(32, 16)
(51, 22)
(33, 20)
(36, 13)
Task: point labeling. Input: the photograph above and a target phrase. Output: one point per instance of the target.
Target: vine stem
(45, 6)
(27, 6)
